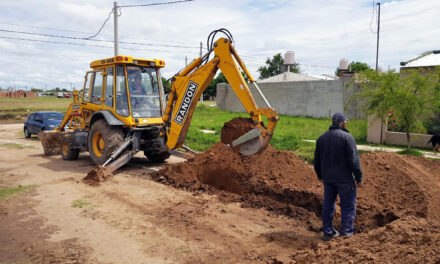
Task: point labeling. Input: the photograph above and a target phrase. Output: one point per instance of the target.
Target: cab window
(87, 85)
(109, 87)
(144, 91)
(121, 92)
(97, 87)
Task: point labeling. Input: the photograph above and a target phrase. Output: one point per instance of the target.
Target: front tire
(67, 151)
(26, 133)
(158, 157)
(103, 140)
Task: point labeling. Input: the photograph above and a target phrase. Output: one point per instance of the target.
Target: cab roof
(121, 59)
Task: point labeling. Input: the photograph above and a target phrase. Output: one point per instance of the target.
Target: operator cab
(131, 88)
(143, 84)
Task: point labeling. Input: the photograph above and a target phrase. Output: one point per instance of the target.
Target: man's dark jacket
(336, 157)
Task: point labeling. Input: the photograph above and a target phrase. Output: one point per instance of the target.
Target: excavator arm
(190, 83)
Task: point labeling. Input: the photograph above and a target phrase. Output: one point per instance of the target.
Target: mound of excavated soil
(398, 202)
(281, 182)
(276, 180)
(389, 191)
(235, 128)
(407, 240)
(97, 175)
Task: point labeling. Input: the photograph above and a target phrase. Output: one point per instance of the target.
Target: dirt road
(129, 219)
(272, 218)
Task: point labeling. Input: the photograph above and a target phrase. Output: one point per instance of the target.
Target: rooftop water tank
(289, 58)
(343, 64)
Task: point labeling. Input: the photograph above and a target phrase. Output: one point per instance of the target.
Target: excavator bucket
(251, 143)
(51, 142)
(245, 136)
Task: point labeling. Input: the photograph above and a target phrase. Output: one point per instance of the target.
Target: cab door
(93, 96)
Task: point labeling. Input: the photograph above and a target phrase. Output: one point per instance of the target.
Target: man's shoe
(347, 234)
(328, 237)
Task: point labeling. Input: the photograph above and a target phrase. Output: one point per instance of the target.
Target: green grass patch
(411, 152)
(289, 133)
(6, 193)
(306, 151)
(79, 203)
(12, 108)
(15, 146)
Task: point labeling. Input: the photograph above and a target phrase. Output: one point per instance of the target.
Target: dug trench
(284, 184)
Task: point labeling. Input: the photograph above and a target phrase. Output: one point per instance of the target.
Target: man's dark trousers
(347, 197)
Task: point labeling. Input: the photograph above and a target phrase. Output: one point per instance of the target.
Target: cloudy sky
(41, 45)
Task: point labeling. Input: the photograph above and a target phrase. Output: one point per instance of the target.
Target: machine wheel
(103, 140)
(26, 133)
(158, 157)
(67, 151)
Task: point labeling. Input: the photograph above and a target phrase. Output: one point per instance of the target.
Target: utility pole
(201, 49)
(378, 30)
(115, 15)
(377, 64)
(186, 60)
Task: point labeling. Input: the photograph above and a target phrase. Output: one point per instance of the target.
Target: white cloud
(320, 33)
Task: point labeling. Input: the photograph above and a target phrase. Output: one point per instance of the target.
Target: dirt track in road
(180, 215)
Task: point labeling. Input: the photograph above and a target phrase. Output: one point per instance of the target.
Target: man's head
(138, 77)
(339, 120)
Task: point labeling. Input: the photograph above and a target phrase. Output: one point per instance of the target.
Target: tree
(211, 90)
(358, 66)
(166, 85)
(274, 67)
(411, 98)
(416, 99)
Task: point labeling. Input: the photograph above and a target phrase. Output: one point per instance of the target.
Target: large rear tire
(103, 140)
(67, 150)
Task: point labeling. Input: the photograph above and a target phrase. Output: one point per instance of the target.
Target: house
(423, 63)
(288, 77)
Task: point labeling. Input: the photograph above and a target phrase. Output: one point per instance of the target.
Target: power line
(156, 4)
(47, 28)
(82, 44)
(118, 8)
(103, 24)
(88, 33)
(96, 40)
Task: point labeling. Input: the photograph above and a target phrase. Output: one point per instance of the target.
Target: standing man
(337, 166)
(435, 141)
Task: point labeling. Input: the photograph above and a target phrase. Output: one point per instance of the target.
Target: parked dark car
(40, 121)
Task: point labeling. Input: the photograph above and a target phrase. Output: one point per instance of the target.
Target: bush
(433, 124)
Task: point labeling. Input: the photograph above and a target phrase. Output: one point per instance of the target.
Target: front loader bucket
(51, 142)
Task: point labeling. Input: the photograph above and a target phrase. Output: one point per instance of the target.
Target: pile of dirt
(398, 202)
(276, 180)
(407, 240)
(283, 183)
(235, 128)
(389, 191)
(97, 175)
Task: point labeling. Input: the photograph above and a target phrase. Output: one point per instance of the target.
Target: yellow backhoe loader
(123, 109)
